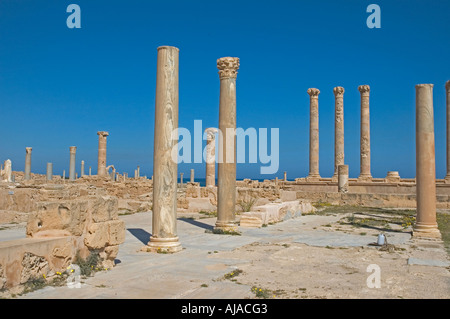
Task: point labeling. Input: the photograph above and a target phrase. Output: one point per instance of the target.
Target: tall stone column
(164, 223)
(226, 171)
(192, 175)
(447, 91)
(426, 225)
(181, 178)
(365, 174)
(90, 170)
(27, 173)
(73, 151)
(211, 156)
(313, 135)
(49, 171)
(338, 129)
(285, 177)
(138, 172)
(101, 169)
(82, 169)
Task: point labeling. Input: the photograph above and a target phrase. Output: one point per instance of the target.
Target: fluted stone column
(343, 178)
(73, 151)
(82, 169)
(211, 156)
(338, 129)
(49, 171)
(447, 91)
(101, 168)
(27, 173)
(226, 171)
(192, 175)
(426, 225)
(164, 224)
(365, 174)
(313, 135)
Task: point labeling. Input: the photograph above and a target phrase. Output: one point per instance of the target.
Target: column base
(426, 231)
(162, 245)
(334, 178)
(313, 178)
(364, 178)
(447, 179)
(224, 227)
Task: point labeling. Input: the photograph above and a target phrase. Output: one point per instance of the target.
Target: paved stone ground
(298, 258)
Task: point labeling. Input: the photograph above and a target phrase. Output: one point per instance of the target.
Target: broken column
(192, 175)
(164, 223)
(181, 178)
(447, 91)
(338, 129)
(101, 169)
(49, 171)
(27, 173)
(285, 177)
(82, 169)
(343, 178)
(313, 135)
(425, 164)
(226, 171)
(211, 156)
(90, 170)
(7, 171)
(138, 172)
(365, 174)
(73, 150)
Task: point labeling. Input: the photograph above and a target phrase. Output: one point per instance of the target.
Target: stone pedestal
(49, 171)
(365, 174)
(27, 172)
(211, 156)
(338, 129)
(101, 168)
(392, 177)
(343, 178)
(426, 225)
(164, 223)
(313, 135)
(226, 184)
(73, 150)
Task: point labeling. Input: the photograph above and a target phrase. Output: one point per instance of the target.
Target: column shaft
(27, 173)
(101, 168)
(226, 171)
(365, 134)
(49, 171)
(164, 222)
(447, 91)
(425, 163)
(211, 157)
(338, 129)
(73, 150)
(313, 134)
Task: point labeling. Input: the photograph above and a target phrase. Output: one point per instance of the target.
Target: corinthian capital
(338, 91)
(364, 89)
(228, 67)
(447, 85)
(313, 92)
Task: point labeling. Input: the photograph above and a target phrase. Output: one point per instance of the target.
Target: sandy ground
(313, 256)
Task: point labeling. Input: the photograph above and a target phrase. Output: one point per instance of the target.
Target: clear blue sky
(59, 86)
